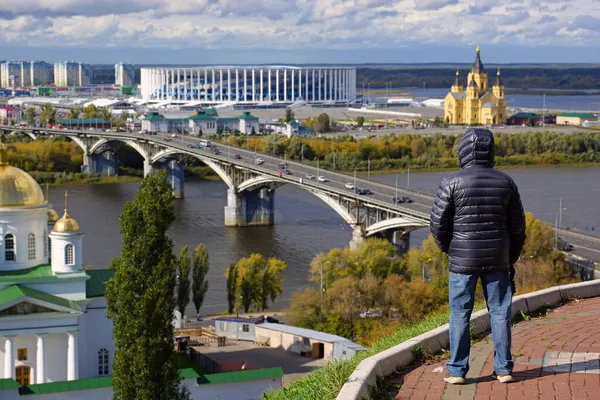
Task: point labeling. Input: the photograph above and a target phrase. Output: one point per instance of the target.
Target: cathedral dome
(17, 188)
(66, 224)
(52, 215)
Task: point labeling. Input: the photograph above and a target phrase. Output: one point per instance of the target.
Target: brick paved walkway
(557, 357)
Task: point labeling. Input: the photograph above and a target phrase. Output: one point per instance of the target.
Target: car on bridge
(237, 157)
(322, 179)
(363, 191)
(349, 186)
(259, 161)
(309, 176)
(282, 165)
(400, 200)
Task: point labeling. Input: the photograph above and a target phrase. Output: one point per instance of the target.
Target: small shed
(308, 342)
(237, 327)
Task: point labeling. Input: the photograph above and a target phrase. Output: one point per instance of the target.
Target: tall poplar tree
(183, 286)
(199, 282)
(141, 298)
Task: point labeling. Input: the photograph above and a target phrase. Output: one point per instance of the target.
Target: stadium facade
(249, 84)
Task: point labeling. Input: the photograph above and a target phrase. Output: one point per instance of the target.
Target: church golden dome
(17, 187)
(66, 224)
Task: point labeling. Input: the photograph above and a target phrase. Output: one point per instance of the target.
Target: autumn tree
(289, 114)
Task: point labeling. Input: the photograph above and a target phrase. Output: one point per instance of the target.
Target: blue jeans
(498, 296)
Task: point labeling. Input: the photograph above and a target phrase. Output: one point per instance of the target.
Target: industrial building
(72, 73)
(124, 74)
(249, 84)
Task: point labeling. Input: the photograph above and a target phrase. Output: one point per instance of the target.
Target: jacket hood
(476, 147)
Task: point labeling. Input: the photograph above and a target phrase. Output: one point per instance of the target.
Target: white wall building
(55, 338)
(124, 74)
(251, 85)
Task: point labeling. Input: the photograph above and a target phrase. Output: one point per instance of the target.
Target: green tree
(360, 121)
(90, 111)
(324, 122)
(30, 115)
(141, 298)
(199, 282)
(289, 114)
(104, 113)
(231, 279)
(48, 114)
(271, 280)
(74, 112)
(183, 287)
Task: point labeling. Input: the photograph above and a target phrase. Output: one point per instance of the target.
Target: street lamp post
(369, 169)
(395, 199)
(302, 153)
(408, 178)
(334, 162)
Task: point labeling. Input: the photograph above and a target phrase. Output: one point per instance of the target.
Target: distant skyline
(301, 31)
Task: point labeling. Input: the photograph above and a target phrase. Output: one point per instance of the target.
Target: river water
(304, 225)
(558, 102)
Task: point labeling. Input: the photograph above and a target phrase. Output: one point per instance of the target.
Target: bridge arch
(130, 143)
(24, 132)
(258, 181)
(211, 164)
(404, 223)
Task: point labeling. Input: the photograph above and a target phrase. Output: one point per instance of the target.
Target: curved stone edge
(401, 355)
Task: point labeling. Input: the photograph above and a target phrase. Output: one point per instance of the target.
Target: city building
(124, 74)
(72, 73)
(477, 104)
(16, 73)
(201, 123)
(10, 112)
(289, 129)
(249, 85)
(42, 73)
(575, 118)
(530, 119)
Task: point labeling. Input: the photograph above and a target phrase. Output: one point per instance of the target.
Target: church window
(46, 243)
(9, 247)
(31, 247)
(103, 364)
(69, 254)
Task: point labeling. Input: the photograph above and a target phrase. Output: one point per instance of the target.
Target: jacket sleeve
(516, 224)
(441, 221)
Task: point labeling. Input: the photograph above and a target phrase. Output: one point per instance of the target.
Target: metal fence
(203, 361)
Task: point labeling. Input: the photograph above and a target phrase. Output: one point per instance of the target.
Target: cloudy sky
(300, 31)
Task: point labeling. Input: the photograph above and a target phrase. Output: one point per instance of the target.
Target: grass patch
(326, 382)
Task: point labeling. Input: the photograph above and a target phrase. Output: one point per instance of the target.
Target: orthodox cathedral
(477, 104)
(53, 324)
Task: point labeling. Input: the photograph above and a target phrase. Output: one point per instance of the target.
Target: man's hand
(512, 279)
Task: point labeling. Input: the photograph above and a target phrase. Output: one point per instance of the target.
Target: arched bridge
(251, 187)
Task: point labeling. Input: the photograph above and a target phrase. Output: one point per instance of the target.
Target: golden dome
(52, 215)
(477, 50)
(66, 223)
(17, 187)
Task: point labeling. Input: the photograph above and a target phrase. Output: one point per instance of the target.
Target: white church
(53, 324)
(55, 339)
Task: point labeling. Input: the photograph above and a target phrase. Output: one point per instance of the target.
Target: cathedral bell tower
(478, 72)
(498, 88)
(457, 87)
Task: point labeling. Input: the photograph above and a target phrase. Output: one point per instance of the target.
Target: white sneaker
(505, 378)
(454, 380)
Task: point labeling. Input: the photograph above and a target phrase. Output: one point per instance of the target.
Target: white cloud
(296, 24)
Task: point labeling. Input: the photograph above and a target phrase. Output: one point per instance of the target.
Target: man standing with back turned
(478, 220)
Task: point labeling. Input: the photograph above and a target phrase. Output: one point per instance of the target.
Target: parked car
(403, 199)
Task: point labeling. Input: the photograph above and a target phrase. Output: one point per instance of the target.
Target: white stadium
(249, 84)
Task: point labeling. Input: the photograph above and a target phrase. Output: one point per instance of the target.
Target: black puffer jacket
(477, 217)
